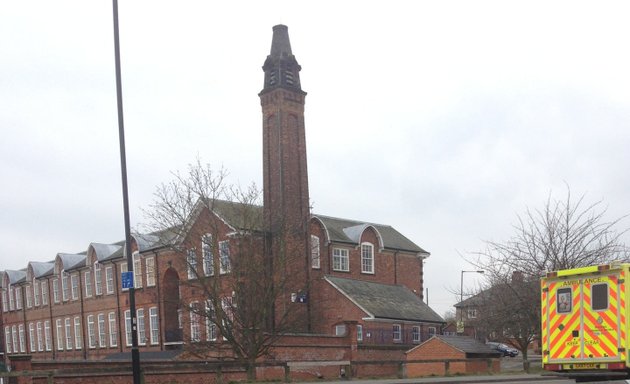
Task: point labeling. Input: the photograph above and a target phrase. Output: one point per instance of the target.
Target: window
(40, 337)
(472, 313)
(195, 333)
(142, 335)
(55, 284)
(91, 332)
(36, 292)
(109, 280)
(18, 298)
(11, 299)
(44, 293)
(564, 300)
(415, 334)
(14, 336)
(211, 326)
(367, 258)
(137, 270)
(102, 337)
(7, 338)
(88, 284)
(59, 334)
(22, 338)
(5, 306)
(599, 297)
(154, 325)
(396, 332)
(150, 271)
(359, 333)
(113, 330)
(128, 327)
(47, 335)
(98, 279)
(31, 336)
(65, 286)
(315, 260)
(77, 333)
(68, 334)
(341, 260)
(29, 300)
(74, 280)
(340, 330)
(191, 261)
(432, 331)
(224, 257)
(208, 258)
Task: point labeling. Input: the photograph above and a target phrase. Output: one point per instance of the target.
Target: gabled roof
(41, 269)
(386, 302)
(16, 276)
(349, 231)
(71, 261)
(105, 251)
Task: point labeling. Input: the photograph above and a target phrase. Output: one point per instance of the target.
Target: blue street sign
(127, 280)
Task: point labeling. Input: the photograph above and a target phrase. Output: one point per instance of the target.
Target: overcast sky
(444, 119)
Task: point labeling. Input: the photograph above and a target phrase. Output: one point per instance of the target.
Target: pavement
(498, 378)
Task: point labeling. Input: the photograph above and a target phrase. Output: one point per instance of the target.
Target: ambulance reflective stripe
(600, 326)
(562, 343)
(621, 319)
(544, 318)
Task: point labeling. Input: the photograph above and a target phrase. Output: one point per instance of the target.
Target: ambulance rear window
(564, 300)
(599, 296)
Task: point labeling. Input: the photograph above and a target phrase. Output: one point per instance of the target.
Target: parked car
(506, 350)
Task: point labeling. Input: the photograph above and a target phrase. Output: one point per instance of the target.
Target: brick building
(74, 307)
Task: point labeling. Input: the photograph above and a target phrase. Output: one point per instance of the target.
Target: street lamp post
(461, 299)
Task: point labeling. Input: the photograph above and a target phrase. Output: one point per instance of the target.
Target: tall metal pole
(461, 299)
(135, 354)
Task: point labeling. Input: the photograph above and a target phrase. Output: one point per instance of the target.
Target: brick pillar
(21, 363)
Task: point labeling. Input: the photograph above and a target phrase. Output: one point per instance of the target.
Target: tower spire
(281, 68)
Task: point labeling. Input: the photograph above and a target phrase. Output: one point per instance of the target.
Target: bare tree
(233, 285)
(563, 234)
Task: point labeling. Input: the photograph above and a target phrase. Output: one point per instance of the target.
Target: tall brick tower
(285, 177)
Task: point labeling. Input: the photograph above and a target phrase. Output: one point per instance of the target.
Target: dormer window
(315, 259)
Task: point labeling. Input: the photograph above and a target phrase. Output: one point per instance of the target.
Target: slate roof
(349, 231)
(41, 269)
(383, 301)
(16, 276)
(468, 344)
(105, 251)
(72, 261)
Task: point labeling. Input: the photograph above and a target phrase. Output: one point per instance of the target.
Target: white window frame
(14, 336)
(91, 332)
(315, 253)
(102, 333)
(415, 334)
(44, 287)
(211, 326)
(341, 259)
(68, 324)
(225, 264)
(340, 330)
(359, 332)
(18, 298)
(154, 325)
(40, 337)
(5, 301)
(141, 330)
(88, 284)
(191, 263)
(74, 282)
(113, 329)
(7, 338)
(206, 255)
(56, 297)
(195, 328)
(65, 286)
(78, 343)
(128, 328)
(396, 332)
(60, 337)
(36, 293)
(47, 335)
(137, 270)
(98, 279)
(22, 338)
(150, 271)
(31, 337)
(432, 331)
(367, 258)
(27, 293)
(471, 313)
(11, 298)
(109, 280)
